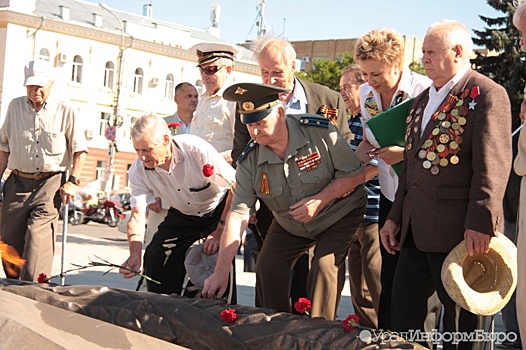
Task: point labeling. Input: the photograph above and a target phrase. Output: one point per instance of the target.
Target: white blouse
(412, 84)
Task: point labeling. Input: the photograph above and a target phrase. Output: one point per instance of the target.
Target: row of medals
(444, 140)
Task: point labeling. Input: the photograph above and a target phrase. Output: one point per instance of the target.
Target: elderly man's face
(214, 82)
(440, 62)
(275, 71)
(268, 129)
(350, 91)
(152, 155)
(38, 94)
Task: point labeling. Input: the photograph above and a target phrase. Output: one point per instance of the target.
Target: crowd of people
(301, 168)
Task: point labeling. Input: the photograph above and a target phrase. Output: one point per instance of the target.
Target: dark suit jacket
(317, 95)
(467, 195)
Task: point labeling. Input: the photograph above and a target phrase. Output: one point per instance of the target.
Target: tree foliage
(326, 72)
(504, 63)
(417, 67)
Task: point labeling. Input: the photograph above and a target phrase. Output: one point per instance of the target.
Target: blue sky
(314, 19)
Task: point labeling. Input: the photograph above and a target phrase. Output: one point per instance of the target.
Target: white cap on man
(38, 73)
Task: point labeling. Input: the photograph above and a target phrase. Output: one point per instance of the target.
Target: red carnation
(351, 323)
(174, 125)
(208, 170)
(42, 278)
(229, 315)
(302, 306)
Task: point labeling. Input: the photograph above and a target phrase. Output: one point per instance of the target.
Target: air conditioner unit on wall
(62, 57)
(90, 134)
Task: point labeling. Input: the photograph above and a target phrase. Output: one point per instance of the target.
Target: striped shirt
(372, 186)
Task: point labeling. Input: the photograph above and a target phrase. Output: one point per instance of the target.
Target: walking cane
(65, 219)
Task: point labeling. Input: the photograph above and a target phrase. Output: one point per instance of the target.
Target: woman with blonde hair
(380, 54)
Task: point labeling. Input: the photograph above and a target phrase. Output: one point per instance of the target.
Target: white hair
(453, 33)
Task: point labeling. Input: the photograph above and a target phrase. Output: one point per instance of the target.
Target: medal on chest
(441, 147)
(308, 162)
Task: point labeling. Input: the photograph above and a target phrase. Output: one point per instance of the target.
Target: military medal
(263, 187)
(309, 162)
(475, 91)
(442, 145)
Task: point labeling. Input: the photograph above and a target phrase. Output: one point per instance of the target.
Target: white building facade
(114, 66)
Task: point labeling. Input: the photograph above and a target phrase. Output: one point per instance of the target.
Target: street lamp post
(116, 108)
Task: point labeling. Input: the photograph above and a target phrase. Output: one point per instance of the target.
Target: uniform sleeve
(244, 195)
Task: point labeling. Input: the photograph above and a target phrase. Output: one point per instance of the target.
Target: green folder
(389, 128)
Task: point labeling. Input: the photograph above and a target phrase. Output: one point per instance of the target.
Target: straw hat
(482, 283)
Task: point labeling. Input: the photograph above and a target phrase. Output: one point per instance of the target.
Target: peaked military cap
(207, 52)
(254, 100)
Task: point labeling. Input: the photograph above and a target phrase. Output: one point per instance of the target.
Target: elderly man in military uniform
(310, 178)
(214, 116)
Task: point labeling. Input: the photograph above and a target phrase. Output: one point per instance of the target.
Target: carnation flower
(229, 315)
(303, 306)
(351, 323)
(208, 170)
(42, 278)
(174, 126)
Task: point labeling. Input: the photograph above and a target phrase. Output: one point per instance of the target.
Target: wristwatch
(74, 180)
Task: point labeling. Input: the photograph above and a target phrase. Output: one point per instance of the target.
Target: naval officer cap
(254, 100)
(207, 52)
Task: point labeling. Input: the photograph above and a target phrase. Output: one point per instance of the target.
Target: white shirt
(437, 97)
(298, 102)
(410, 83)
(183, 187)
(214, 120)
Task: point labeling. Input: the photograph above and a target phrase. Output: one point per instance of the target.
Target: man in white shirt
(215, 116)
(186, 98)
(172, 168)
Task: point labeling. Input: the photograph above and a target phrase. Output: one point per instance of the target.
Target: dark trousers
(389, 263)
(28, 223)
(164, 256)
(326, 277)
(298, 287)
(417, 283)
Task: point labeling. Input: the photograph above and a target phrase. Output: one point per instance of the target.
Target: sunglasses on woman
(211, 70)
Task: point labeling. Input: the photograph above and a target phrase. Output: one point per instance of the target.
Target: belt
(35, 176)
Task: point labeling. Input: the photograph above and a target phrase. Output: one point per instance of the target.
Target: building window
(104, 117)
(169, 87)
(109, 71)
(101, 170)
(137, 81)
(43, 54)
(76, 70)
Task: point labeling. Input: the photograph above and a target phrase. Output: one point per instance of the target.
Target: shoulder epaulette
(248, 148)
(314, 120)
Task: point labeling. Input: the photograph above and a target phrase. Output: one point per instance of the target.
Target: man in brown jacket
(456, 162)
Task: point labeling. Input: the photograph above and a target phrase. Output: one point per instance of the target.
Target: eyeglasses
(211, 70)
